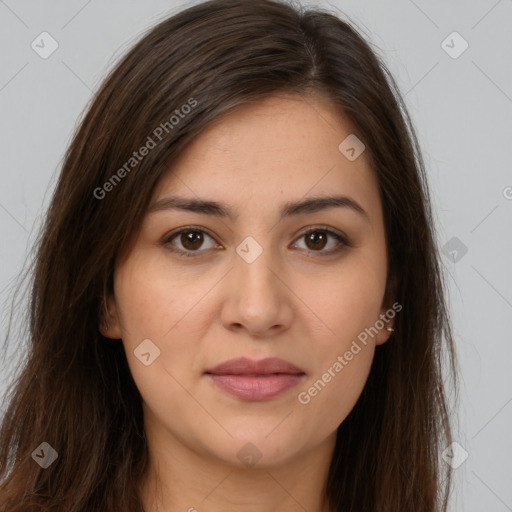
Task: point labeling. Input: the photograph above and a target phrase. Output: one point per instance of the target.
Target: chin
(258, 450)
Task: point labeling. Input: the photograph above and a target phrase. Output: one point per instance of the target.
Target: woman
(237, 302)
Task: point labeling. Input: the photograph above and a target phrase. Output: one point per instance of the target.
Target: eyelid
(168, 238)
(340, 236)
(342, 239)
(329, 229)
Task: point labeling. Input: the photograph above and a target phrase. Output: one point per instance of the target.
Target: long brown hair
(74, 389)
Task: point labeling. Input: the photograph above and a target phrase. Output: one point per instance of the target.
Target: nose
(257, 299)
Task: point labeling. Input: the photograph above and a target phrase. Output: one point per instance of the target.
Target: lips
(252, 380)
(245, 366)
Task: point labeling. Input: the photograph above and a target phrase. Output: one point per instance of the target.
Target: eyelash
(193, 254)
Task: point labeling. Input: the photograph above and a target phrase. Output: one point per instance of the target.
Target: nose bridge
(254, 267)
(256, 298)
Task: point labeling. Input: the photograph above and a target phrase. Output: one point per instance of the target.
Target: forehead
(281, 148)
(285, 125)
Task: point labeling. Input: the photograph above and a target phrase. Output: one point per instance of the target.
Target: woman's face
(254, 285)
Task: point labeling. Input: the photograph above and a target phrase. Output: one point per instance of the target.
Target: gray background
(461, 108)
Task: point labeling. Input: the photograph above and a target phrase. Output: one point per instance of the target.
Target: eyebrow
(290, 209)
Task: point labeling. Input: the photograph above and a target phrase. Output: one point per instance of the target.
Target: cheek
(348, 303)
(332, 393)
(154, 298)
(347, 300)
(156, 303)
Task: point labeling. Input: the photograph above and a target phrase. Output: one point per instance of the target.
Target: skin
(291, 302)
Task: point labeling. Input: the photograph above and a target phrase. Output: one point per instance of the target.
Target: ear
(387, 312)
(109, 319)
(385, 320)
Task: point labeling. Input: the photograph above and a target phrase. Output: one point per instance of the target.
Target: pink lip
(255, 380)
(245, 366)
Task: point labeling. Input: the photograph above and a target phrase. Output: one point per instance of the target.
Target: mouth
(255, 380)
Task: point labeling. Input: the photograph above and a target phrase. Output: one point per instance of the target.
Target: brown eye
(191, 240)
(317, 239)
(188, 241)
